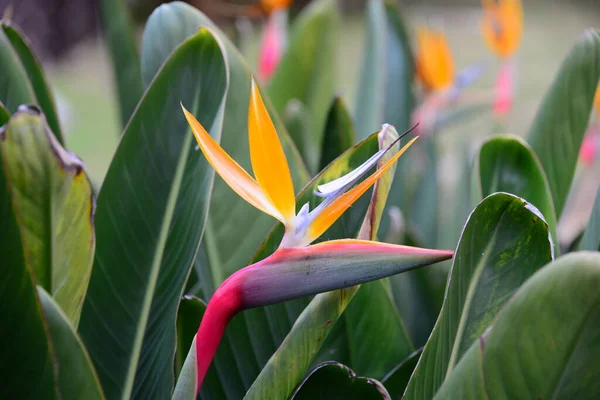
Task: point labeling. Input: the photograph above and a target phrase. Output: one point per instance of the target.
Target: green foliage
(544, 343)
(166, 233)
(149, 221)
(51, 198)
(558, 129)
(333, 380)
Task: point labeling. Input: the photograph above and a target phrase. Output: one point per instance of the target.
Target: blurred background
(66, 35)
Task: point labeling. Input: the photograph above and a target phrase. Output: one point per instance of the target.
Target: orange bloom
(272, 5)
(435, 66)
(502, 26)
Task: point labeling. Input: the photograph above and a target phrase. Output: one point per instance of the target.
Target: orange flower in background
(434, 63)
(272, 5)
(502, 26)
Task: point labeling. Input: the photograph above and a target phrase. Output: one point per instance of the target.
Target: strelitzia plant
(282, 276)
(502, 28)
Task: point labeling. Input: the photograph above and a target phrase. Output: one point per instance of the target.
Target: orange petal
(268, 159)
(234, 175)
(502, 26)
(435, 65)
(328, 216)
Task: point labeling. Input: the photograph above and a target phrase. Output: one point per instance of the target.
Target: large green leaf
(36, 76)
(591, 237)
(27, 359)
(332, 380)
(149, 222)
(231, 219)
(503, 243)
(76, 376)
(544, 344)
(558, 129)
(339, 134)
(15, 87)
(120, 37)
(4, 114)
(385, 90)
(52, 199)
(307, 72)
(507, 164)
(42, 359)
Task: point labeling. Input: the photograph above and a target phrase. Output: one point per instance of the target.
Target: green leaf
(339, 134)
(4, 114)
(558, 129)
(52, 198)
(231, 219)
(189, 314)
(120, 36)
(150, 218)
(76, 376)
(503, 243)
(45, 359)
(396, 380)
(507, 164)
(27, 361)
(544, 344)
(307, 71)
(591, 236)
(385, 90)
(15, 87)
(332, 380)
(423, 213)
(36, 76)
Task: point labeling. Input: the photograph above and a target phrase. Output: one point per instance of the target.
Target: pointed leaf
(558, 129)
(150, 219)
(503, 243)
(120, 36)
(52, 197)
(544, 344)
(339, 134)
(15, 87)
(307, 70)
(591, 237)
(76, 376)
(507, 164)
(36, 76)
(332, 380)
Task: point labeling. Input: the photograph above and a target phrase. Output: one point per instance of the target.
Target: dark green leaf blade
(150, 219)
(36, 75)
(52, 197)
(503, 243)
(29, 357)
(544, 344)
(339, 134)
(120, 36)
(15, 87)
(507, 164)
(558, 129)
(332, 380)
(76, 376)
(396, 380)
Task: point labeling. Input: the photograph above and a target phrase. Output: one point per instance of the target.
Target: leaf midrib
(155, 269)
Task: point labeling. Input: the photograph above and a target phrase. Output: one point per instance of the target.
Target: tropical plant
(161, 282)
